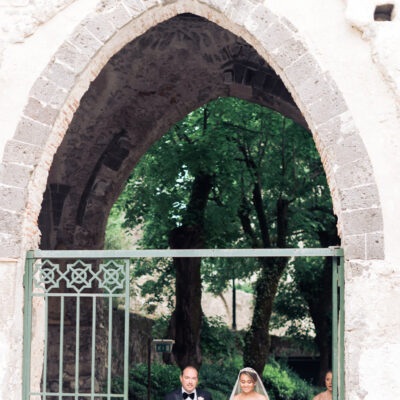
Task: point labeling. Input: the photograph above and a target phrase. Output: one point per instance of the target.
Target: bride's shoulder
(261, 397)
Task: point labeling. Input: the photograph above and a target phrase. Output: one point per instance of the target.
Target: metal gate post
(334, 328)
(26, 374)
(341, 328)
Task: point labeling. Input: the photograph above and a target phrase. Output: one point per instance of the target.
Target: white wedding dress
(259, 388)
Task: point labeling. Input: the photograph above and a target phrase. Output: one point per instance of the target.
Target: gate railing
(67, 279)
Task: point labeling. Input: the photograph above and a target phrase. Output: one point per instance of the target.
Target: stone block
(30, 131)
(10, 246)
(349, 149)
(100, 27)
(85, 42)
(10, 222)
(237, 11)
(39, 112)
(69, 55)
(134, 7)
(21, 153)
(219, 5)
(287, 54)
(15, 175)
(366, 196)
(375, 246)
(48, 92)
(331, 131)
(313, 89)
(302, 69)
(12, 198)
(358, 172)
(327, 107)
(154, 3)
(259, 20)
(63, 76)
(361, 221)
(119, 16)
(276, 36)
(288, 24)
(354, 247)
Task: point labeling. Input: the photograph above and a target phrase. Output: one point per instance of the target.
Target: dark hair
(250, 374)
(189, 366)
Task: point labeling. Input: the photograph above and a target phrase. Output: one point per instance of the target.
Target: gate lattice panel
(76, 302)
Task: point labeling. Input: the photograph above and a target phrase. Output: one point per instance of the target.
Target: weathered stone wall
(340, 66)
(140, 330)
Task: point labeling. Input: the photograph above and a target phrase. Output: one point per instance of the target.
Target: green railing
(73, 277)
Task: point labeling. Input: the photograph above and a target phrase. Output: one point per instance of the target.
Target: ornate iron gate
(77, 291)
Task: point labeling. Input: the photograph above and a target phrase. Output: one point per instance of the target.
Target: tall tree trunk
(186, 322)
(257, 339)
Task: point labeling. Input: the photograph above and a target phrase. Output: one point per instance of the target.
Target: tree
(231, 174)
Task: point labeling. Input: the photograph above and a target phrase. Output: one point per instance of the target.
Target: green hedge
(284, 384)
(281, 383)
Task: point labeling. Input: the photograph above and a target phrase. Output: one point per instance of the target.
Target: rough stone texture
(15, 174)
(21, 153)
(100, 27)
(61, 75)
(371, 337)
(375, 246)
(10, 245)
(12, 198)
(48, 92)
(353, 174)
(302, 69)
(39, 112)
(30, 131)
(140, 330)
(354, 247)
(359, 197)
(69, 55)
(21, 19)
(85, 41)
(381, 36)
(362, 221)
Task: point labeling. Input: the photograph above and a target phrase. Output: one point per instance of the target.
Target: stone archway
(56, 94)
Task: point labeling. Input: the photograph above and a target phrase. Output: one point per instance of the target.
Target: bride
(248, 386)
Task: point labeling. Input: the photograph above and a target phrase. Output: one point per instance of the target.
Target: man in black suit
(189, 379)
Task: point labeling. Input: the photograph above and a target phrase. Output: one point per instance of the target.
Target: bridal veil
(259, 388)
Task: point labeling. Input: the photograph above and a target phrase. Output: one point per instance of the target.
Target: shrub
(218, 342)
(284, 384)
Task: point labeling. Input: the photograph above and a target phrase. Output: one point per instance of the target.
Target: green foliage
(219, 342)
(117, 237)
(218, 379)
(164, 379)
(282, 383)
(241, 145)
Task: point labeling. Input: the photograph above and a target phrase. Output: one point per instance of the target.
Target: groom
(189, 379)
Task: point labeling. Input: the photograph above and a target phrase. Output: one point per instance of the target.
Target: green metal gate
(71, 284)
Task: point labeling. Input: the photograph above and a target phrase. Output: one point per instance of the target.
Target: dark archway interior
(151, 84)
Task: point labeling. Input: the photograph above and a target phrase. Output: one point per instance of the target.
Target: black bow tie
(186, 395)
